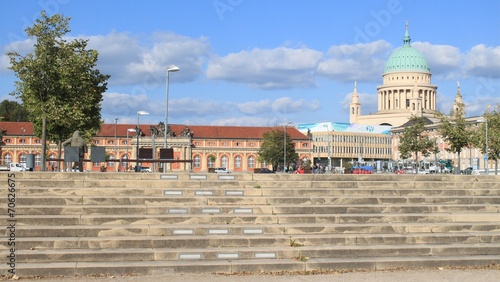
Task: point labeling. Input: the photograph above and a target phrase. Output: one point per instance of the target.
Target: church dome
(406, 58)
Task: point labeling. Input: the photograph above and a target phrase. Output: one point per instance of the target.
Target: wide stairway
(136, 223)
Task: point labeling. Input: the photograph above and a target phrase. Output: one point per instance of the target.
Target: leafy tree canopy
(272, 147)
(12, 111)
(58, 83)
(415, 140)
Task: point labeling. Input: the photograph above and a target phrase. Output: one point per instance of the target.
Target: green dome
(406, 58)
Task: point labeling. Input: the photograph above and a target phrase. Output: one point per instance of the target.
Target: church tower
(458, 100)
(406, 89)
(355, 106)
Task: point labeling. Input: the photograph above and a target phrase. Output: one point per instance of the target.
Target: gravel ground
(491, 274)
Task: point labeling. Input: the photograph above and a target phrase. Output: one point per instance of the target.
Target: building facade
(196, 148)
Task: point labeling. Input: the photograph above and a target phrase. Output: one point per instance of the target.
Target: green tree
(272, 147)
(455, 131)
(492, 120)
(415, 140)
(58, 83)
(12, 111)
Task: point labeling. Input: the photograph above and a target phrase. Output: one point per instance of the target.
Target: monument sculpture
(77, 141)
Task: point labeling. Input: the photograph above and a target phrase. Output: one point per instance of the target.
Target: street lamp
(171, 68)
(23, 141)
(284, 145)
(138, 131)
(329, 146)
(116, 120)
(129, 130)
(486, 172)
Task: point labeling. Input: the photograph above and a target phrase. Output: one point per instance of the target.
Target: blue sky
(263, 63)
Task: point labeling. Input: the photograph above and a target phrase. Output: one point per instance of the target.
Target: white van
(17, 167)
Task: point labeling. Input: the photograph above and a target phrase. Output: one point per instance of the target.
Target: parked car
(266, 170)
(221, 170)
(467, 170)
(146, 169)
(361, 171)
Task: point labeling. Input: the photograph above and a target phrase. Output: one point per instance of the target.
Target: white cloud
(443, 60)
(358, 62)
(483, 61)
(254, 107)
(267, 69)
(129, 62)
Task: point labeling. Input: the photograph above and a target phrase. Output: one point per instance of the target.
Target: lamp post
(22, 141)
(284, 145)
(171, 68)
(329, 146)
(486, 172)
(129, 130)
(116, 120)
(138, 132)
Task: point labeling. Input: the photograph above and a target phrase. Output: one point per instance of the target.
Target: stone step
(248, 208)
(182, 218)
(74, 269)
(238, 253)
(241, 229)
(195, 241)
(380, 190)
(207, 199)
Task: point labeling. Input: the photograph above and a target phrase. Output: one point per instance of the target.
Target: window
(8, 159)
(224, 161)
(210, 161)
(251, 144)
(237, 162)
(251, 162)
(38, 141)
(22, 141)
(52, 163)
(38, 160)
(210, 143)
(125, 161)
(110, 142)
(22, 158)
(197, 162)
(96, 142)
(125, 142)
(7, 141)
(111, 158)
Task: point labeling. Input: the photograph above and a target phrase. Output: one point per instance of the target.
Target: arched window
(22, 158)
(125, 162)
(224, 161)
(237, 162)
(52, 163)
(210, 161)
(197, 162)
(112, 164)
(7, 159)
(38, 160)
(251, 162)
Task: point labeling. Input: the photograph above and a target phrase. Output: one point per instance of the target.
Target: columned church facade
(406, 90)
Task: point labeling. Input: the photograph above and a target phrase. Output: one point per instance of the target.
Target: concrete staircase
(123, 223)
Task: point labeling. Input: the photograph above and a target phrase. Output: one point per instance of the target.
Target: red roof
(16, 128)
(199, 131)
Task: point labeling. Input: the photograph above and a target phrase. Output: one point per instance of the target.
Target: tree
(455, 131)
(58, 83)
(414, 139)
(12, 111)
(479, 137)
(272, 147)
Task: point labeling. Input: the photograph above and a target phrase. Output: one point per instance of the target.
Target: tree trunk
(44, 143)
(457, 170)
